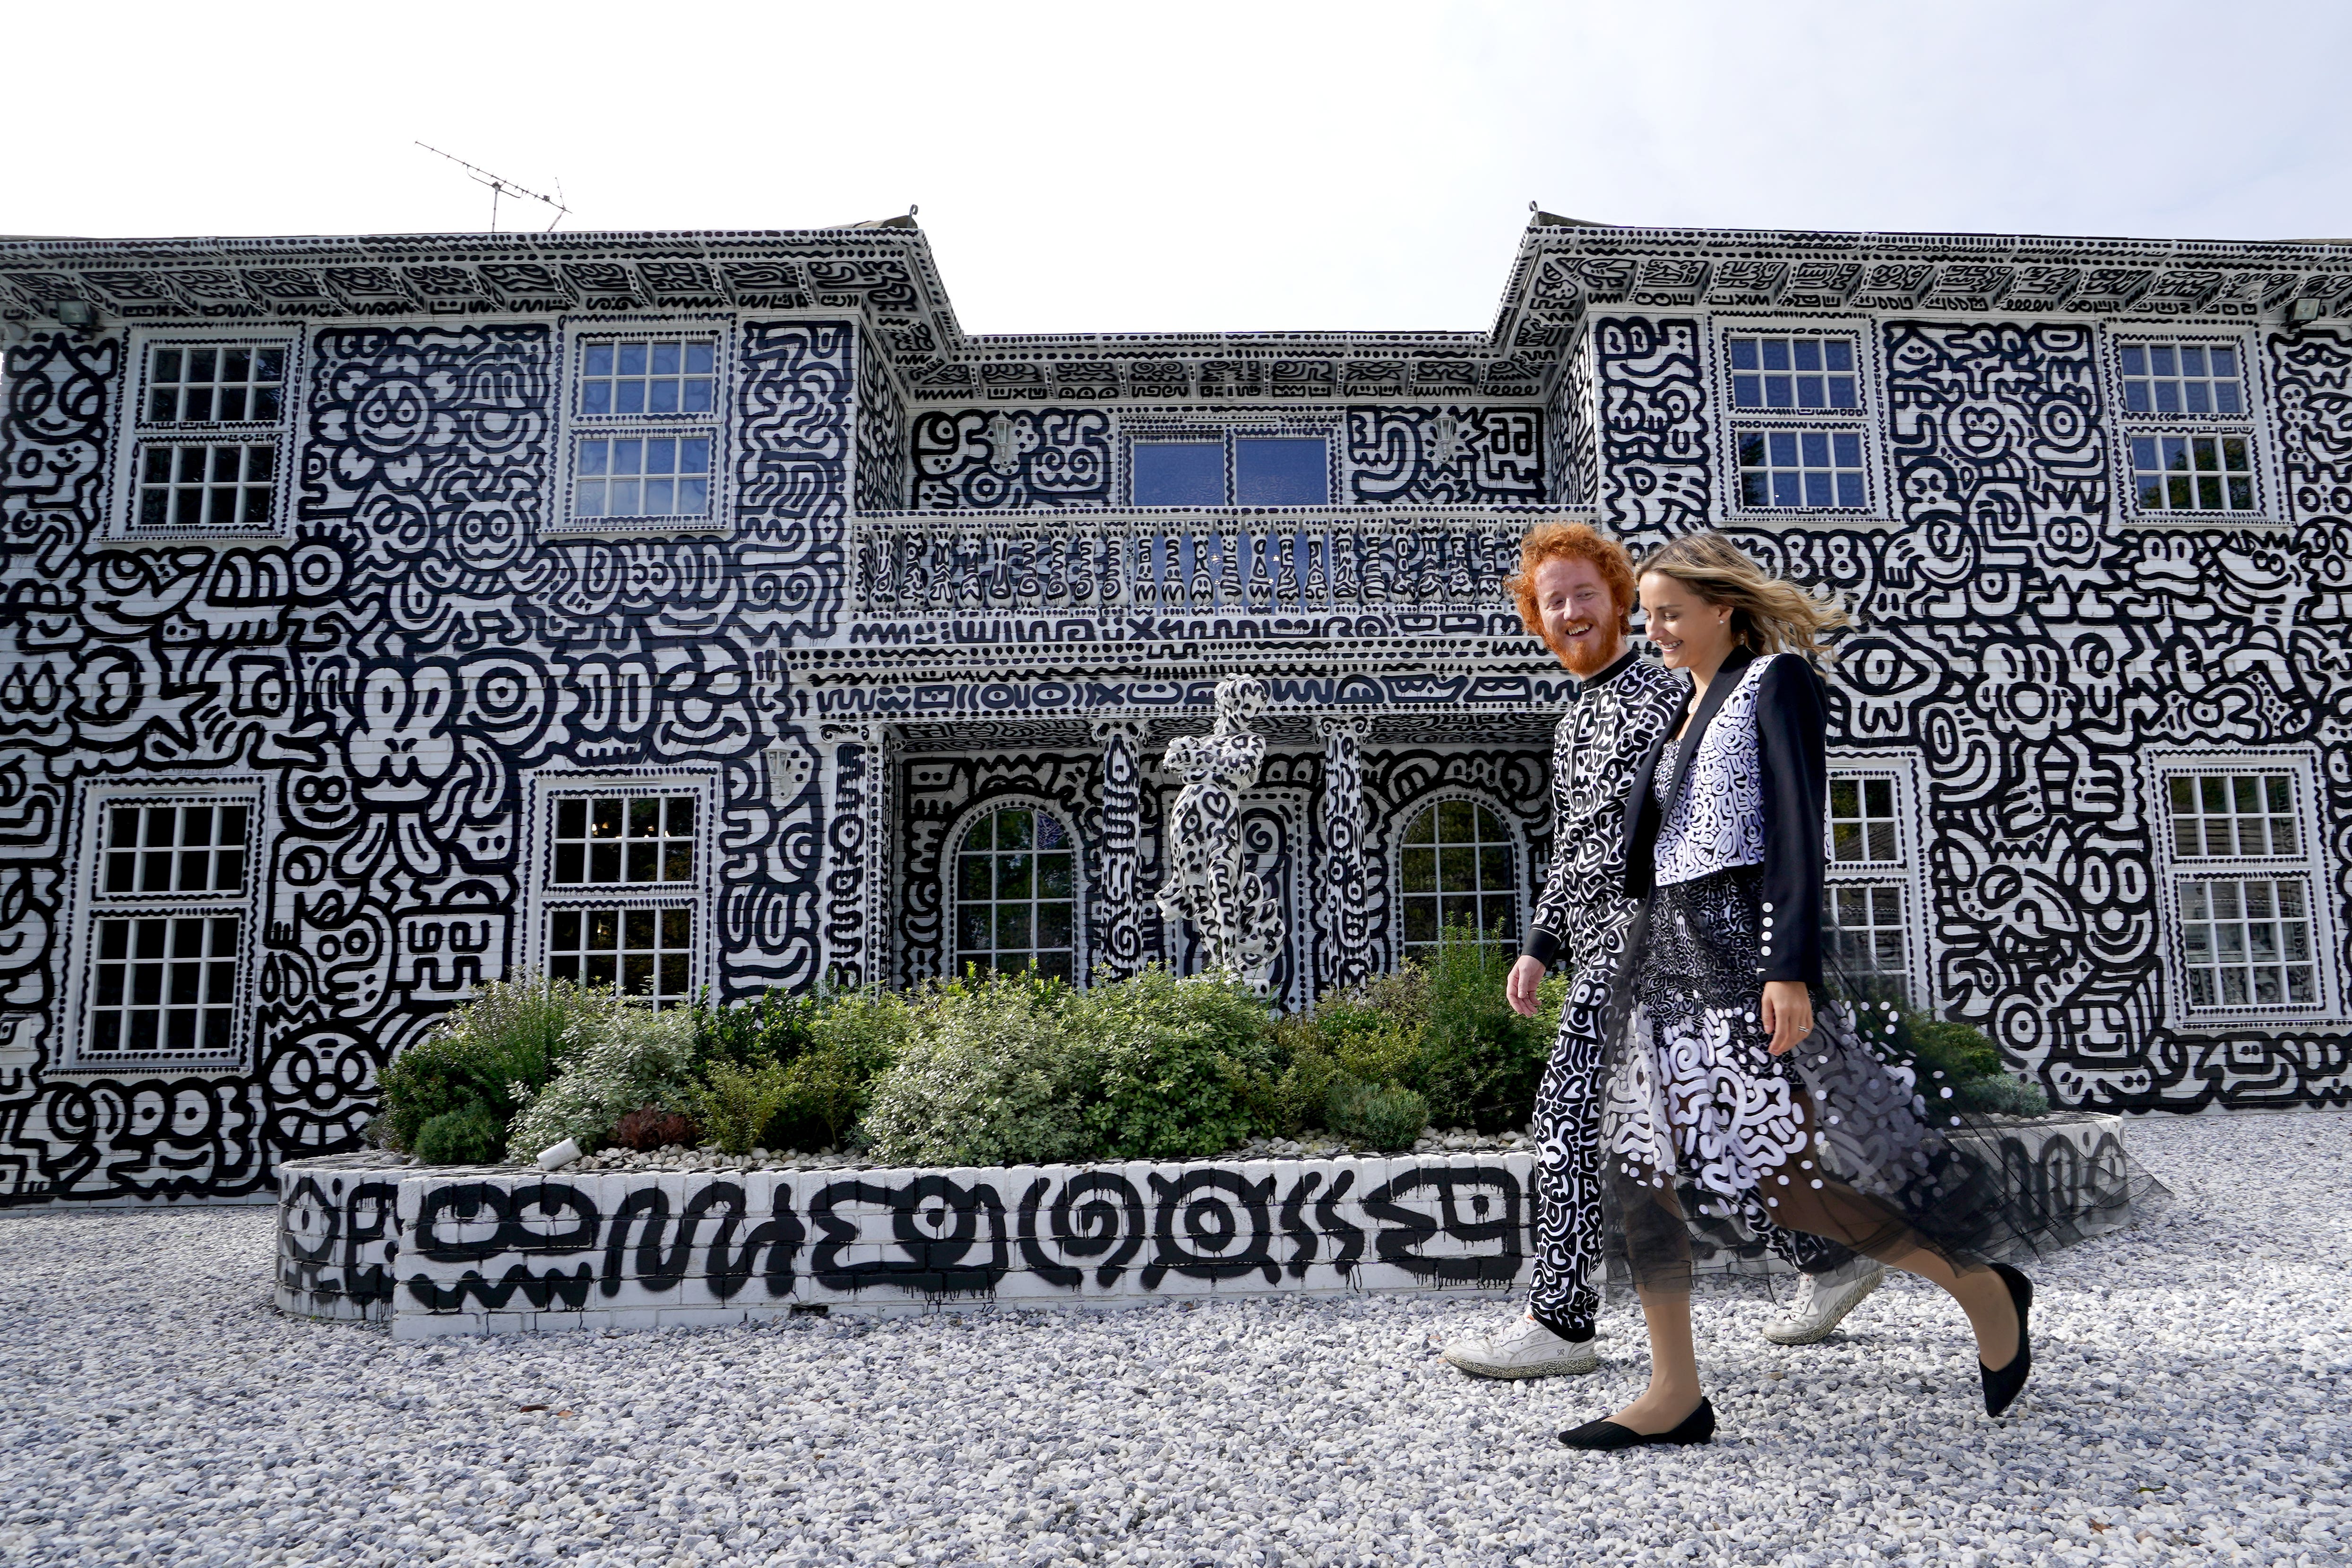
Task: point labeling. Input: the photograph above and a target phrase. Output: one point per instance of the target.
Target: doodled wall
(922, 586)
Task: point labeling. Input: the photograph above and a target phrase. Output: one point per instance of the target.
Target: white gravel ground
(2188, 1406)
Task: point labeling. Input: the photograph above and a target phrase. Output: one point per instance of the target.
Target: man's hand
(1526, 974)
(1788, 1013)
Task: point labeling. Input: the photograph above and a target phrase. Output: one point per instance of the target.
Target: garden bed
(504, 1249)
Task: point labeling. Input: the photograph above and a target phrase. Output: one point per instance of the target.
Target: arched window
(1016, 895)
(1460, 868)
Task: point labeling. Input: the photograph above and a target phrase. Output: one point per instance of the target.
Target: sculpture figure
(1233, 910)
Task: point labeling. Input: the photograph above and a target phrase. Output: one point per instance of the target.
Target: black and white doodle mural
(472, 1251)
(331, 567)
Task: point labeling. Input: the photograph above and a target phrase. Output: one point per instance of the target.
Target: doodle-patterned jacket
(1620, 716)
(1746, 785)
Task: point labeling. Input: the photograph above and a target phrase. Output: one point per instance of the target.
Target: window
(206, 484)
(176, 848)
(1793, 373)
(1872, 933)
(2193, 473)
(2240, 854)
(1458, 868)
(1810, 468)
(212, 425)
(668, 377)
(1270, 469)
(1016, 895)
(1862, 822)
(624, 895)
(2182, 378)
(614, 838)
(229, 385)
(169, 911)
(2248, 942)
(645, 440)
(642, 476)
(2187, 430)
(642, 954)
(165, 984)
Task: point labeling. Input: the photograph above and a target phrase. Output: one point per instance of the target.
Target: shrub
(733, 1104)
(774, 1028)
(1384, 1118)
(649, 1127)
(994, 1072)
(493, 1053)
(1288, 1091)
(473, 1136)
(854, 1038)
(2002, 1096)
(1481, 1062)
(1174, 1059)
(631, 1058)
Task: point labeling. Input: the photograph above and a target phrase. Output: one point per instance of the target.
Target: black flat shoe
(1607, 1436)
(2001, 1388)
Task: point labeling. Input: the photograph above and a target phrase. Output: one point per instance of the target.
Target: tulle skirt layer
(1719, 1154)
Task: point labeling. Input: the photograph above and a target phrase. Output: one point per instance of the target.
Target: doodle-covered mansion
(709, 610)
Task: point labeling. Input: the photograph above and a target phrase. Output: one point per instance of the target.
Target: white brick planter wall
(453, 1250)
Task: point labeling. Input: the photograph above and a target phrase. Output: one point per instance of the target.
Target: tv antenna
(501, 186)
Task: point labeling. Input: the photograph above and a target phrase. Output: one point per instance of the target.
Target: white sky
(1205, 165)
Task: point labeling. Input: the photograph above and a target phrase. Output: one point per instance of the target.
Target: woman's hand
(1526, 974)
(1788, 1013)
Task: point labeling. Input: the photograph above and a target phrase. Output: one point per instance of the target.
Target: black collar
(1719, 686)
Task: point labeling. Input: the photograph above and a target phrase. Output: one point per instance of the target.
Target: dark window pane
(1173, 473)
(1280, 472)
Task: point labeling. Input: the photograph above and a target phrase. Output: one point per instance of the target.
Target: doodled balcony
(1222, 561)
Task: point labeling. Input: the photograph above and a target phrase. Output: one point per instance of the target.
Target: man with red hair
(1575, 590)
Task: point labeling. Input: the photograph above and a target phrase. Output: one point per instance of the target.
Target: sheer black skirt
(1719, 1153)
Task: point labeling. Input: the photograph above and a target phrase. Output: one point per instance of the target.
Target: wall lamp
(79, 314)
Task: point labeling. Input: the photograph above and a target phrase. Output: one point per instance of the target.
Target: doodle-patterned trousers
(1568, 1226)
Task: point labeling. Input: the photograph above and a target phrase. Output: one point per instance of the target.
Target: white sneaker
(1823, 1300)
(1526, 1349)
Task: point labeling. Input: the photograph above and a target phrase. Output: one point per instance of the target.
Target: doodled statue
(1233, 910)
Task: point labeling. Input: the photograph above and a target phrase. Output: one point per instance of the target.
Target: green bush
(2002, 1096)
(1481, 1062)
(1288, 1089)
(631, 1057)
(493, 1053)
(772, 1029)
(853, 1038)
(734, 1104)
(994, 1073)
(473, 1136)
(1969, 1063)
(1174, 1061)
(1386, 1118)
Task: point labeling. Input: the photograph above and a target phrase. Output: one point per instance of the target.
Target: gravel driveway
(2188, 1405)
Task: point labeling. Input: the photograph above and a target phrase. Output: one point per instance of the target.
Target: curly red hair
(1570, 541)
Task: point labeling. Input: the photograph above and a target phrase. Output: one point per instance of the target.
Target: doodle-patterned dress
(1714, 1145)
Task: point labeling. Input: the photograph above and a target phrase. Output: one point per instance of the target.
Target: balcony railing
(1237, 559)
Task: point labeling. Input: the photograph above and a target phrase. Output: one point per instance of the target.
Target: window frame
(571, 427)
(2159, 768)
(1515, 834)
(2125, 424)
(1908, 872)
(950, 901)
(88, 902)
(543, 896)
(141, 435)
(1861, 421)
(1229, 433)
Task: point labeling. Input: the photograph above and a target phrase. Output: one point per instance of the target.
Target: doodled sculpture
(1234, 912)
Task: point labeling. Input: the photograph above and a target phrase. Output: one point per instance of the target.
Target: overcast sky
(1123, 168)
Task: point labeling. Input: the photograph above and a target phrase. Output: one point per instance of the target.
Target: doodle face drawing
(357, 590)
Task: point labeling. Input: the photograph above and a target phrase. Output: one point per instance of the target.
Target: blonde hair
(1768, 614)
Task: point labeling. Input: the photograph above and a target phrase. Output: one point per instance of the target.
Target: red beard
(1589, 655)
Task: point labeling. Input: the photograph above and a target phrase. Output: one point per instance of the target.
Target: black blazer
(1792, 769)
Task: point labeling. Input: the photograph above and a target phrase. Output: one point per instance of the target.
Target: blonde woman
(1739, 1100)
